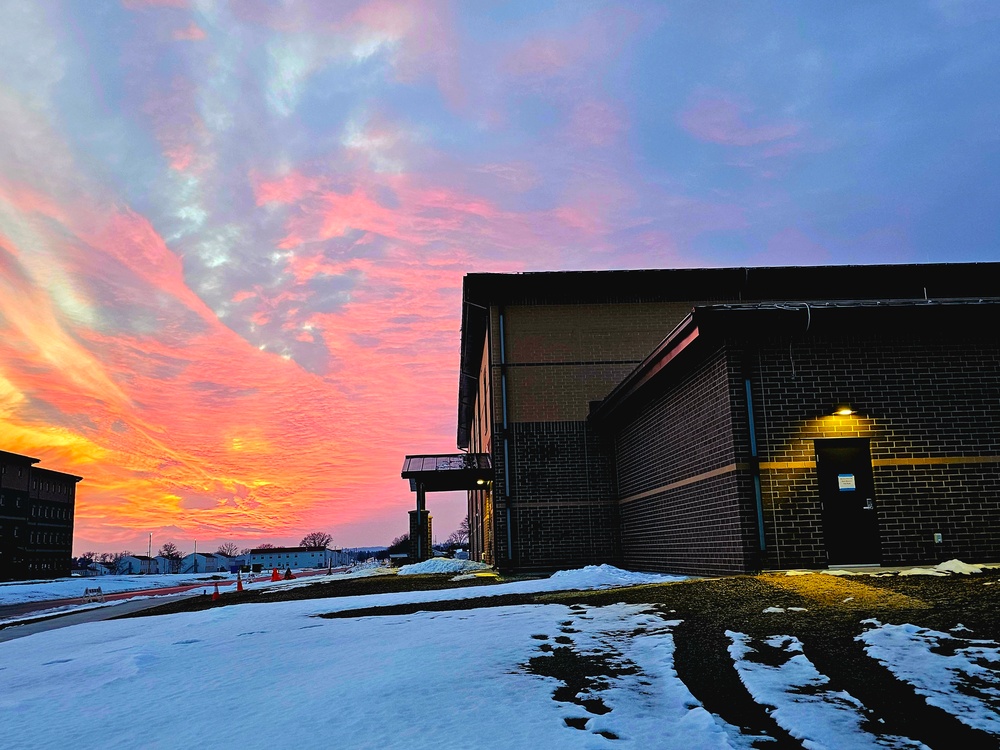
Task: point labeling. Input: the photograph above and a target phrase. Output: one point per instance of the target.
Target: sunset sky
(233, 235)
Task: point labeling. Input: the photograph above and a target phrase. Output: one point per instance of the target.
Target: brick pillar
(420, 536)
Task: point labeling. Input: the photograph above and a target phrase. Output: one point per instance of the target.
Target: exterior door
(847, 495)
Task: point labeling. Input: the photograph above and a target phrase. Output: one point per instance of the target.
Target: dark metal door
(847, 494)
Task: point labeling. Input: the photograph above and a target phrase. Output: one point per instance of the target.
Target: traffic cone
(215, 596)
(275, 575)
(239, 581)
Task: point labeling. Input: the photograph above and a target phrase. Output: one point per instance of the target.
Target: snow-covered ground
(276, 675)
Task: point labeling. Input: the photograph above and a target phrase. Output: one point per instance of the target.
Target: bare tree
(316, 539)
(460, 535)
(229, 549)
(169, 550)
(265, 545)
(400, 544)
(114, 559)
(246, 550)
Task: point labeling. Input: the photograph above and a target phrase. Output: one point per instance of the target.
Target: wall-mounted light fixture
(843, 410)
(480, 481)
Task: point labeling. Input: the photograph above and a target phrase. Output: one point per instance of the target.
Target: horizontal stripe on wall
(533, 504)
(939, 460)
(585, 363)
(684, 482)
(781, 465)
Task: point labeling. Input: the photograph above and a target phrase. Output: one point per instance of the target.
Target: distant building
(297, 557)
(37, 508)
(167, 564)
(205, 562)
(137, 565)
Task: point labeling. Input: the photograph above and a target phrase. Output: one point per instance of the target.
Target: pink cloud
(427, 37)
(142, 4)
(573, 51)
(289, 188)
(595, 123)
(719, 119)
(178, 126)
(191, 33)
(517, 177)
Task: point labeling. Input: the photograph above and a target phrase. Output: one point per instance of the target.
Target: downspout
(755, 467)
(506, 443)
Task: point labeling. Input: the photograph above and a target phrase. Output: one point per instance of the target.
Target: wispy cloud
(721, 119)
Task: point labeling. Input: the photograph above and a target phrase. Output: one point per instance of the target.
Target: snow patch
(801, 703)
(958, 675)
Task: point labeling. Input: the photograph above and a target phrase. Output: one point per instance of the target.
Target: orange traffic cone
(215, 596)
(239, 582)
(275, 576)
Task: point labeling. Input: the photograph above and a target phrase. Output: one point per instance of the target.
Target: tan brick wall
(588, 333)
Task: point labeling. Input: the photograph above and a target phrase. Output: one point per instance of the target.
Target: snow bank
(442, 565)
(607, 576)
(957, 566)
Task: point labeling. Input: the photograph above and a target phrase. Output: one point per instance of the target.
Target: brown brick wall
(685, 506)
(588, 333)
(552, 393)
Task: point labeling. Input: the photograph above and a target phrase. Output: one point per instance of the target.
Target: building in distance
(37, 510)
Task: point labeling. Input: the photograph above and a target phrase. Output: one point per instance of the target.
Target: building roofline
(797, 316)
(910, 281)
(9, 456)
(53, 472)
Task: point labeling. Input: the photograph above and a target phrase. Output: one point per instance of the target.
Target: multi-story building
(683, 420)
(37, 508)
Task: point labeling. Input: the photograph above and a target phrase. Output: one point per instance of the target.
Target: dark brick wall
(686, 506)
(562, 512)
(696, 529)
(929, 403)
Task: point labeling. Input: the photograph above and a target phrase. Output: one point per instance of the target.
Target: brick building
(614, 407)
(36, 519)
